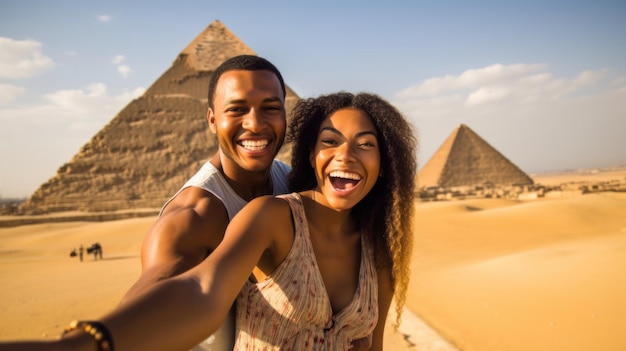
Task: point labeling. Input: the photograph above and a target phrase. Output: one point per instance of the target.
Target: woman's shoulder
(269, 217)
(261, 214)
(267, 208)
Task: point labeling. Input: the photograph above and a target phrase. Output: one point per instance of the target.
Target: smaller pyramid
(465, 159)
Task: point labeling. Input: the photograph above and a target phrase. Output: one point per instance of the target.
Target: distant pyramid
(146, 152)
(466, 159)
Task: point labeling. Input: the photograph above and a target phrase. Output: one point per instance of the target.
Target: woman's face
(346, 158)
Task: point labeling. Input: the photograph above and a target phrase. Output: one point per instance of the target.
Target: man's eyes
(273, 108)
(246, 109)
(236, 109)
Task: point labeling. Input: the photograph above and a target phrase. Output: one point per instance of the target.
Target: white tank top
(210, 179)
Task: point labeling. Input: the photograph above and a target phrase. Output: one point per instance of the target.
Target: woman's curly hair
(385, 215)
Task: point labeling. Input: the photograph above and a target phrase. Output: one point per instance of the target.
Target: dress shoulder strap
(297, 208)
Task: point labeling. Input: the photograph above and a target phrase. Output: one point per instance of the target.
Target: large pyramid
(465, 159)
(154, 144)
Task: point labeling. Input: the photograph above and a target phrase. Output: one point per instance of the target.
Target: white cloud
(22, 58)
(493, 75)
(39, 138)
(78, 100)
(486, 95)
(104, 18)
(118, 59)
(508, 85)
(496, 74)
(124, 70)
(619, 82)
(87, 108)
(8, 93)
(538, 120)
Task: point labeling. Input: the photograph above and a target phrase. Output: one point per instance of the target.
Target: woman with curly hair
(326, 260)
(385, 214)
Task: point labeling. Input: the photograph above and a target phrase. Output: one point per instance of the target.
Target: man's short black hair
(245, 63)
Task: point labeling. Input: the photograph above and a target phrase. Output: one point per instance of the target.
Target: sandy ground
(583, 175)
(43, 288)
(545, 275)
(487, 275)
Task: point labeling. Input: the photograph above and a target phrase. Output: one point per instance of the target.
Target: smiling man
(247, 115)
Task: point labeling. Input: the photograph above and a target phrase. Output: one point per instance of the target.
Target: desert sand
(488, 274)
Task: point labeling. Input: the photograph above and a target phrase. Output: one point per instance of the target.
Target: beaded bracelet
(97, 330)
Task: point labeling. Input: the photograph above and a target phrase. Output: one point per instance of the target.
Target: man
(247, 114)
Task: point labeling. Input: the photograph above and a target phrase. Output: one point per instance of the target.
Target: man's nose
(253, 121)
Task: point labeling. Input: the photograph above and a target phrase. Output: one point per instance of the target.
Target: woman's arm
(188, 308)
(191, 225)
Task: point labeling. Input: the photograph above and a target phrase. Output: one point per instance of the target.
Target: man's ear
(210, 116)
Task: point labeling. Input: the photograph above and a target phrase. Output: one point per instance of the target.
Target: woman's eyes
(333, 142)
(367, 144)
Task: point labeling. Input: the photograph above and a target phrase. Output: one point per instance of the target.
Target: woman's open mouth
(344, 181)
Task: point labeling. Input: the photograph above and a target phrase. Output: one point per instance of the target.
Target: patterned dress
(290, 309)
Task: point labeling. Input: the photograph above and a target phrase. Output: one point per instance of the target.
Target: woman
(326, 259)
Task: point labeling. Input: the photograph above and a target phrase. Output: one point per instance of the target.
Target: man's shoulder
(280, 174)
(280, 165)
(194, 198)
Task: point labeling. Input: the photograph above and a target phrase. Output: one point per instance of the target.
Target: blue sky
(542, 81)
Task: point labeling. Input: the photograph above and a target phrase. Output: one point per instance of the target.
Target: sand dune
(545, 275)
(487, 274)
(43, 288)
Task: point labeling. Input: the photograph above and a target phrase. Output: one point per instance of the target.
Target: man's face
(249, 119)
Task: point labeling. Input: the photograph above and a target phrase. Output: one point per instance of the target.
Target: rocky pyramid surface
(466, 159)
(150, 148)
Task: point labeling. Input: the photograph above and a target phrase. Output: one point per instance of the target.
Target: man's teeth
(345, 175)
(254, 144)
